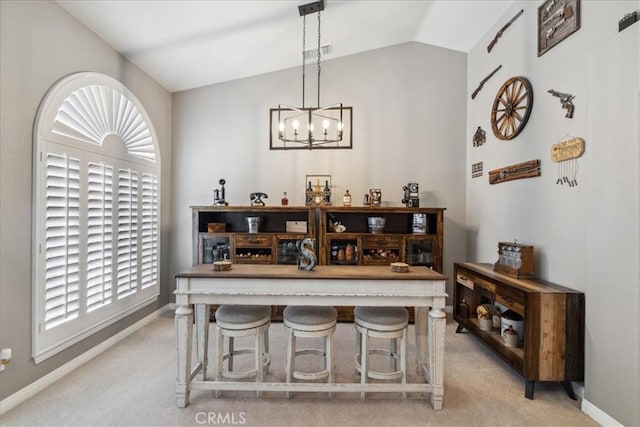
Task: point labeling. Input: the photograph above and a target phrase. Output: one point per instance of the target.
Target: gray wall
(586, 237)
(409, 124)
(40, 43)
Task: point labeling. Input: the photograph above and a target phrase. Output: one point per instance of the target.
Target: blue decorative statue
(306, 256)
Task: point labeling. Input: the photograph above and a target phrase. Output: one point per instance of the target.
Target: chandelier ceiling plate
(306, 9)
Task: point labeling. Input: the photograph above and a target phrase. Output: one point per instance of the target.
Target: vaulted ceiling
(188, 44)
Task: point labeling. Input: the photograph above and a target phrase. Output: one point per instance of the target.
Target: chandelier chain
(319, 59)
(304, 48)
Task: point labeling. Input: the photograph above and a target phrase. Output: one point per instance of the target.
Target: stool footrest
(315, 351)
(244, 374)
(310, 376)
(378, 375)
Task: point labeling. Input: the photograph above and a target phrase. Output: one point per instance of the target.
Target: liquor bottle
(308, 195)
(464, 309)
(326, 192)
(496, 319)
(317, 194)
(284, 200)
(346, 199)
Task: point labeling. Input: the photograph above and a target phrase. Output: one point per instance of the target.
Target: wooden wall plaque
(567, 150)
(528, 169)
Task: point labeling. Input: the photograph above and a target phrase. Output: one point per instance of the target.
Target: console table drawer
(476, 283)
(253, 241)
(512, 298)
(488, 287)
(381, 241)
(465, 280)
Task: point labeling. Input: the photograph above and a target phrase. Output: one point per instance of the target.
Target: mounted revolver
(566, 100)
(564, 12)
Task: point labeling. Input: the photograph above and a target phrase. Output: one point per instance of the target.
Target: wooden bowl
(221, 265)
(399, 267)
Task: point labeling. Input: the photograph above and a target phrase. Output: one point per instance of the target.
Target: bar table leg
(184, 331)
(437, 323)
(202, 337)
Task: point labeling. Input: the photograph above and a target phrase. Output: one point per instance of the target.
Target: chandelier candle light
(309, 127)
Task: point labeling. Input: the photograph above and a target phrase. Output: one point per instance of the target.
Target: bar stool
(387, 323)
(238, 321)
(310, 322)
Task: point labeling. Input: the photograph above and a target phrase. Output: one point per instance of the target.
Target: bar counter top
(333, 272)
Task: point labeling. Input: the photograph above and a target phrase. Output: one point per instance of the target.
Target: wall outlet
(5, 357)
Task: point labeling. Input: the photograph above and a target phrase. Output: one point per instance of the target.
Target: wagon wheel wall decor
(511, 108)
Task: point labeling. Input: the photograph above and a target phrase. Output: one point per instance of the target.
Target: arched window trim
(96, 221)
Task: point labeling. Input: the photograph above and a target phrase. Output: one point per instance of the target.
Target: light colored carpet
(133, 384)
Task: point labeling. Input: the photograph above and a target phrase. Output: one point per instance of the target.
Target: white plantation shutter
(99, 235)
(62, 247)
(96, 211)
(127, 281)
(150, 209)
(93, 111)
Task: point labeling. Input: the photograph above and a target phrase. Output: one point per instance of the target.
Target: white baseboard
(578, 389)
(597, 414)
(37, 386)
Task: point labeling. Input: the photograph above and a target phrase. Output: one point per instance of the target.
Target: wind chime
(566, 154)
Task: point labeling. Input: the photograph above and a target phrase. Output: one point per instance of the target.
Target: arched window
(96, 210)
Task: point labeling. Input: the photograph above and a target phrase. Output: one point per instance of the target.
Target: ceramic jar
(510, 337)
(349, 253)
(486, 324)
(511, 318)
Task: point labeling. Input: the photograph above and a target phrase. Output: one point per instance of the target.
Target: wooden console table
(553, 346)
(421, 288)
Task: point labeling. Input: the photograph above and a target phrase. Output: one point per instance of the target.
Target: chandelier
(309, 127)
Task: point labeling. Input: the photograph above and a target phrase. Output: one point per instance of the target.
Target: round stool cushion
(310, 318)
(382, 318)
(231, 316)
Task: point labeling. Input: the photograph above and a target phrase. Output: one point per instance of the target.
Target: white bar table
(332, 285)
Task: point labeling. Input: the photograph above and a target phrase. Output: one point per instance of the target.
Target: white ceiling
(187, 44)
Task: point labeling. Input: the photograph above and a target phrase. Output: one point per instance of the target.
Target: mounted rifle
(501, 31)
(475, 92)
